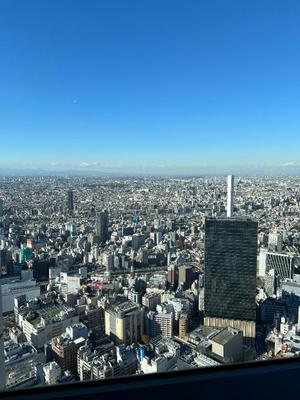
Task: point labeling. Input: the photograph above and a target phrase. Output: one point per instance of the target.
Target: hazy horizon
(148, 170)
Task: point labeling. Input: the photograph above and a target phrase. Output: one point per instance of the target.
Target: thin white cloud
(85, 165)
(291, 164)
(98, 165)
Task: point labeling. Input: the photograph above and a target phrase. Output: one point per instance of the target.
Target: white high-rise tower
(230, 195)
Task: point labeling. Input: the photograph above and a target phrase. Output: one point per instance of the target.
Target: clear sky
(156, 83)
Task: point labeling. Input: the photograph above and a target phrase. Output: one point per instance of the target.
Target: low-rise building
(42, 324)
(52, 372)
(115, 362)
(64, 351)
(228, 344)
(164, 356)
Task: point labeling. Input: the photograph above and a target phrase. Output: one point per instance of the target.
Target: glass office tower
(102, 225)
(70, 201)
(230, 268)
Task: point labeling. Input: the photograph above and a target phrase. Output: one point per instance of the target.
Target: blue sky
(149, 83)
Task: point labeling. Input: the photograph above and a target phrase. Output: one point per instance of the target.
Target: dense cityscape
(108, 277)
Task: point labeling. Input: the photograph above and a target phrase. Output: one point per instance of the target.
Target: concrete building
(292, 286)
(228, 344)
(113, 363)
(195, 360)
(151, 300)
(282, 263)
(52, 372)
(64, 351)
(230, 195)
(54, 272)
(93, 317)
(76, 331)
(173, 275)
(159, 324)
(164, 357)
(185, 276)
(71, 283)
(42, 324)
(272, 283)
(15, 288)
(134, 296)
(21, 363)
(124, 322)
(183, 326)
(275, 241)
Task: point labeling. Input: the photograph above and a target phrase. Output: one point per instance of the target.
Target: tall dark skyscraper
(1, 208)
(70, 201)
(230, 272)
(102, 225)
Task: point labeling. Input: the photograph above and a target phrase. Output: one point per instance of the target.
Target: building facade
(230, 271)
(124, 322)
(102, 226)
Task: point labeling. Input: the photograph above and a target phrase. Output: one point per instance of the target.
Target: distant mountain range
(288, 169)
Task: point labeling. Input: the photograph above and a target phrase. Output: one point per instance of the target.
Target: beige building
(124, 322)
(247, 327)
(228, 344)
(183, 326)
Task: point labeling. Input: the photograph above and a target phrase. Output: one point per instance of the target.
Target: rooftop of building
(17, 352)
(65, 340)
(203, 333)
(286, 253)
(230, 219)
(164, 346)
(124, 307)
(151, 294)
(195, 359)
(226, 335)
(50, 313)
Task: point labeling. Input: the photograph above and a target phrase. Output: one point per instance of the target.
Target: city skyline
(99, 276)
(149, 197)
(163, 85)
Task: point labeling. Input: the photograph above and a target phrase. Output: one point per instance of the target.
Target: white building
(275, 241)
(11, 290)
(282, 263)
(54, 273)
(230, 194)
(166, 356)
(40, 326)
(52, 372)
(70, 283)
